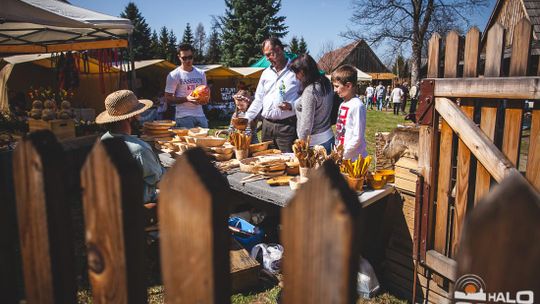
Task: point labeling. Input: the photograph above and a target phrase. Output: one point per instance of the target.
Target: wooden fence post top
(44, 219)
(500, 238)
(195, 240)
(320, 240)
(113, 204)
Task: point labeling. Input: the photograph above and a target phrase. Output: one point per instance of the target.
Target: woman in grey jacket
(315, 104)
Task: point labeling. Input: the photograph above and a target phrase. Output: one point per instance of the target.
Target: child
(351, 121)
(242, 100)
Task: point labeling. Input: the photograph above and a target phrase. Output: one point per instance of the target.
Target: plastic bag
(269, 255)
(368, 284)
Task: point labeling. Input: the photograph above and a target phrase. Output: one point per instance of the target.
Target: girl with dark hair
(315, 104)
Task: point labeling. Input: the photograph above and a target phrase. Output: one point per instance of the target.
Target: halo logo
(471, 288)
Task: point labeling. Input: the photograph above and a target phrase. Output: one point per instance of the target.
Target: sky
(320, 22)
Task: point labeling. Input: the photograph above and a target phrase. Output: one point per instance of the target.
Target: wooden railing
(319, 229)
(471, 136)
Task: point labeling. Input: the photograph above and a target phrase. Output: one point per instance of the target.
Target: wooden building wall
(365, 59)
(511, 12)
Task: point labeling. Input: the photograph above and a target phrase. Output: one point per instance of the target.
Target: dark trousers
(404, 105)
(282, 133)
(396, 106)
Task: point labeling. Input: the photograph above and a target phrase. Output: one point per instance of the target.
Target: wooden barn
(360, 55)
(508, 13)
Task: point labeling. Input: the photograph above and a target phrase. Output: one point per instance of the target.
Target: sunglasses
(185, 58)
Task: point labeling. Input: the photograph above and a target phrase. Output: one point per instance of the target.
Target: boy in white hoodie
(351, 121)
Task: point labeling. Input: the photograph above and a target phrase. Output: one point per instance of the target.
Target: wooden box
(244, 269)
(406, 180)
(61, 128)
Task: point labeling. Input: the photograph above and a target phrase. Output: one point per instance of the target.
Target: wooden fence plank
(533, 159)
(479, 144)
(320, 261)
(521, 48)
(194, 234)
(462, 185)
(433, 56)
(8, 231)
(518, 67)
(489, 87)
(494, 58)
(487, 125)
(498, 234)
(451, 55)
(44, 220)
(494, 51)
(442, 264)
(472, 53)
(113, 213)
(444, 187)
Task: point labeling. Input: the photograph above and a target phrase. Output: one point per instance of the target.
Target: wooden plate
(279, 180)
(259, 147)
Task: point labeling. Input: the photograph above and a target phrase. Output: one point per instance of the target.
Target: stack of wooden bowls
(158, 130)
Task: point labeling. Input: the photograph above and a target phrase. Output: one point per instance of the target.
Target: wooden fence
(460, 162)
(319, 230)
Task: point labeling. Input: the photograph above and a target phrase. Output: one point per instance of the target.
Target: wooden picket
(113, 213)
(44, 220)
(320, 234)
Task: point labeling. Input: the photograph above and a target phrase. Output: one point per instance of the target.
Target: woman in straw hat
(121, 108)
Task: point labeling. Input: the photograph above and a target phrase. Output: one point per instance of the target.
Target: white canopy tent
(360, 76)
(42, 26)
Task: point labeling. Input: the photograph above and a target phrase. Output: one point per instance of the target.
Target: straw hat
(121, 105)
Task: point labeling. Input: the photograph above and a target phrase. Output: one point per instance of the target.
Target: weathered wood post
(113, 212)
(44, 218)
(194, 236)
(321, 241)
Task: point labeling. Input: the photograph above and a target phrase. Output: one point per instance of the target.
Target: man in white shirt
(397, 96)
(369, 96)
(275, 98)
(180, 82)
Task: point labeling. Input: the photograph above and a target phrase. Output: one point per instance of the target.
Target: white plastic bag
(271, 256)
(368, 283)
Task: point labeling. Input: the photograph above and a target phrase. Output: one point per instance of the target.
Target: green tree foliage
(200, 43)
(163, 43)
(213, 52)
(293, 45)
(245, 25)
(188, 35)
(302, 47)
(172, 47)
(141, 32)
(154, 45)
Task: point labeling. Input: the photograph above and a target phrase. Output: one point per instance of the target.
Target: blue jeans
(328, 145)
(379, 103)
(192, 122)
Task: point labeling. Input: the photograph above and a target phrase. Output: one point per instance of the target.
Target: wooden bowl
(249, 165)
(225, 149)
(376, 181)
(198, 132)
(388, 174)
(222, 157)
(240, 123)
(259, 147)
(209, 141)
(159, 124)
(293, 168)
(179, 132)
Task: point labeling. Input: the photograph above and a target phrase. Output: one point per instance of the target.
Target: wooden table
(280, 195)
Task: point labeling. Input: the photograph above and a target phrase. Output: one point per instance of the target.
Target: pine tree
(302, 47)
(172, 48)
(245, 25)
(213, 53)
(188, 35)
(163, 43)
(154, 45)
(141, 32)
(293, 45)
(200, 43)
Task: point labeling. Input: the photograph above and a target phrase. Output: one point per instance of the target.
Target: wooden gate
(470, 137)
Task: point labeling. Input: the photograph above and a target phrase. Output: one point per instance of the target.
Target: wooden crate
(244, 269)
(61, 128)
(405, 180)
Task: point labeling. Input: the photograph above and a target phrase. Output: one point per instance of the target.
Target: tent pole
(132, 64)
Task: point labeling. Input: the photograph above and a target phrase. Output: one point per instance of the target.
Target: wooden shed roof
(340, 55)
